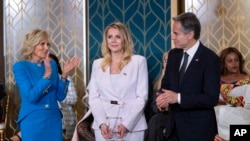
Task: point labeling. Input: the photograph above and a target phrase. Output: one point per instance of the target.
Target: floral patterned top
(226, 87)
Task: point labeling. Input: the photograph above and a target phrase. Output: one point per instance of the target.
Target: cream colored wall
(224, 23)
(174, 12)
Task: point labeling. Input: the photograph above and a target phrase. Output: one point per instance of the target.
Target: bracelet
(63, 78)
(45, 77)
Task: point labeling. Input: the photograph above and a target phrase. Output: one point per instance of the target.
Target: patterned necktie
(183, 67)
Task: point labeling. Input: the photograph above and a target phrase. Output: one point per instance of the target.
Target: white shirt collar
(193, 50)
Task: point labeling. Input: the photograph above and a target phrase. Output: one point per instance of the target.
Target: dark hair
(189, 22)
(223, 56)
(53, 57)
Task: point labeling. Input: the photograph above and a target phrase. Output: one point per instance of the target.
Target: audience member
(157, 122)
(118, 88)
(234, 89)
(66, 106)
(151, 109)
(83, 130)
(2, 111)
(232, 75)
(16, 137)
(157, 83)
(85, 100)
(218, 138)
(190, 86)
(40, 88)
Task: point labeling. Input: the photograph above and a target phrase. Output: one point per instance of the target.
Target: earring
(225, 71)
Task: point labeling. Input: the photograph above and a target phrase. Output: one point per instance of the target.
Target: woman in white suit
(118, 88)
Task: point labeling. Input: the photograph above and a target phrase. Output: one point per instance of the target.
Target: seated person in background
(66, 106)
(157, 84)
(156, 125)
(234, 86)
(16, 137)
(83, 130)
(85, 101)
(2, 95)
(232, 75)
(69, 117)
(218, 138)
(151, 109)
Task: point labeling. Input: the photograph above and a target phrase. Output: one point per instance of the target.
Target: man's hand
(165, 98)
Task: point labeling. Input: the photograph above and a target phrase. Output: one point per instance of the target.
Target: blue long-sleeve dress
(39, 117)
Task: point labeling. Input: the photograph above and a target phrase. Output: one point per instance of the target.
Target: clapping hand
(48, 69)
(69, 65)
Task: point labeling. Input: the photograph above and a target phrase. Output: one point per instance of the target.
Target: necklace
(39, 64)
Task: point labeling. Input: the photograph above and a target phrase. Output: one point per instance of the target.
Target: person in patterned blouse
(66, 106)
(233, 76)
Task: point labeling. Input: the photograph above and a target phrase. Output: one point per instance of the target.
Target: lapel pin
(196, 60)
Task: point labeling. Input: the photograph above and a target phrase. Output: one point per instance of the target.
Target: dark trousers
(172, 136)
(157, 127)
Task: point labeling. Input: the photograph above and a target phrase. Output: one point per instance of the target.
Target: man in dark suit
(190, 98)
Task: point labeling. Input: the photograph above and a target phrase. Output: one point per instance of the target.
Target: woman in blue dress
(40, 88)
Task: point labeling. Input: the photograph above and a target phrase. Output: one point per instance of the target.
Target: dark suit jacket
(194, 118)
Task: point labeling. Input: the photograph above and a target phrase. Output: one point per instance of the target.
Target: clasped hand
(165, 98)
(107, 132)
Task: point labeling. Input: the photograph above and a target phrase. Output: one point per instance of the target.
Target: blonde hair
(31, 40)
(157, 84)
(127, 44)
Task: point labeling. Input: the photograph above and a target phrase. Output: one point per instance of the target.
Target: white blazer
(126, 98)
